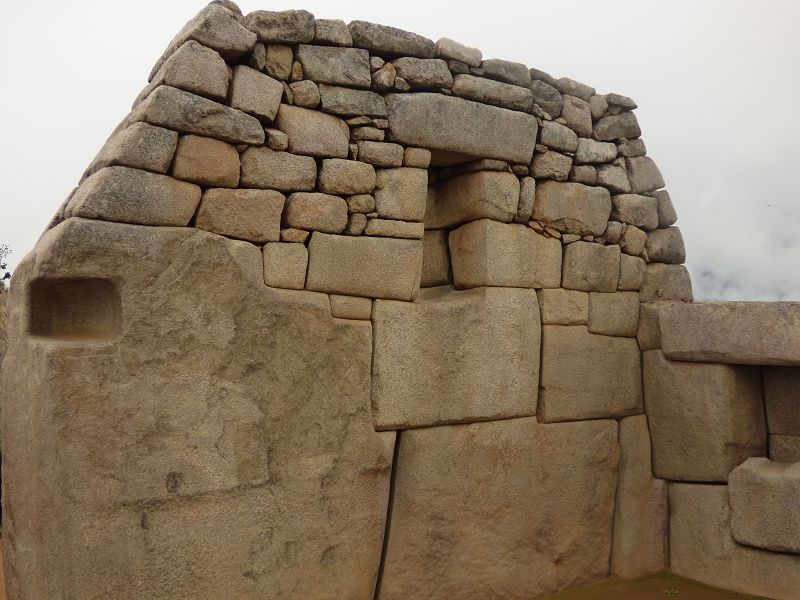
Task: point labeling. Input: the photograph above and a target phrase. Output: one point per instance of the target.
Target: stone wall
(341, 312)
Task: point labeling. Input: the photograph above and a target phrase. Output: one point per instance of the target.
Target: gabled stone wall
(341, 312)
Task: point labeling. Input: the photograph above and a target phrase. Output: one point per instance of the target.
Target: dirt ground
(659, 587)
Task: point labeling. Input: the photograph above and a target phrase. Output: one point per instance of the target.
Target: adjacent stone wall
(338, 311)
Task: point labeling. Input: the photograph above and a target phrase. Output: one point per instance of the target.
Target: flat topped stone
(450, 124)
(390, 40)
(750, 333)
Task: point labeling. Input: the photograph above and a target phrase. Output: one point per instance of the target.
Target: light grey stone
(591, 267)
(631, 148)
(666, 245)
(572, 207)
(364, 266)
(615, 127)
(493, 92)
(641, 211)
(585, 174)
(709, 410)
(486, 252)
(287, 26)
(338, 66)
(348, 102)
(278, 61)
(666, 282)
(437, 385)
(643, 174)
(452, 50)
(577, 114)
(592, 151)
(332, 32)
(196, 69)
(390, 40)
(305, 93)
(560, 137)
(666, 211)
(507, 71)
(424, 73)
(440, 122)
(141, 146)
(313, 133)
(614, 178)
(551, 165)
(270, 169)
(577, 89)
(547, 98)
(623, 102)
(633, 240)
(587, 376)
(598, 105)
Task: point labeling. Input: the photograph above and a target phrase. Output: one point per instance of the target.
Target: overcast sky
(717, 83)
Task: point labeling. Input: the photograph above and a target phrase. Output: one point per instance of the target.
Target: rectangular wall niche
(78, 310)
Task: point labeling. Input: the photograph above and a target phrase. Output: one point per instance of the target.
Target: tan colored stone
(488, 91)
(486, 252)
(572, 207)
(559, 137)
(637, 210)
(380, 154)
(252, 215)
(305, 93)
(702, 410)
(440, 122)
(278, 61)
(297, 236)
(591, 267)
(316, 211)
(417, 157)
(347, 102)
(163, 474)
(313, 133)
(490, 536)
(185, 112)
(613, 178)
(633, 241)
(394, 228)
(666, 245)
(365, 266)
(483, 194)
(641, 519)
(750, 333)
(265, 168)
(367, 134)
(614, 314)
(350, 307)
(285, 265)
(361, 203)
(649, 333)
(400, 193)
(702, 548)
(784, 448)
(435, 259)
(338, 66)
(419, 380)
(587, 376)
(666, 282)
(129, 195)
(643, 174)
(255, 93)
(782, 399)
(287, 26)
(551, 165)
(564, 307)
(206, 161)
(585, 174)
(632, 270)
(332, 31)
(346, 177)
(196, 69)
(140, 146)
(527, 198)
(764, 496)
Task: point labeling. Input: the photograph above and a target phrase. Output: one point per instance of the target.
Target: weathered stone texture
(285, 265)
(365, 266)
(641, 211)
(400, 193)
(265, 168)
(492, 92)
(394, 228)
(316, 211)
(206, 161)
(551, 165)
(333, 32)
(419, 380)
(702, 410)
(587, 376)
(252, 215)
(614, 314)
(643, 174)
(615, 127)
(564, 307)
(572, 207)
(483, 194)
(666, 245)
(348, 102)
(784, 448)
(457, 537)
(436, 122)
(313, 133)
(591, 267)
(129, 195)
(390, 40)
(435, 259)
(666, 282)
(288, 26)
(349, 177)
(141, 146)
(577, 114)
(196, 69)
(782, 399)
(486, 252)
(450, 49)
(423, 73)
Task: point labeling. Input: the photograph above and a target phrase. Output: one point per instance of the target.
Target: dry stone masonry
(341, 312)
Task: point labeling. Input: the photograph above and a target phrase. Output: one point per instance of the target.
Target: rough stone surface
(206, 161)
(400, 193)
(551, 165)
(547, 98)
(702, 548)
(751, 333)
(506, 70)
(637, 210)
(437, 122)
(666, 210)
(381, 154)
(255, 93)
(615, 127)
(338, 66)
(666, 245)
(313, 133)
(649, 334)
(576, 88)
(564, 307)
(591, 267)
(559, 137)
(577, 114)
(252, 215)
(614, 314)
(633, 241)
(435, 259)
(285, 265)
(394, 228)
(417, 157)
(614, 178)
(666, 282)
(305, 93)
(240, 457)
(486, 252)
(527, 197)
(390, 40)
(643, 174)
(572, 207)
(483, 194)
(347, 102)
(702, 410)
(782, 399)
(140, 146)
(492, 92)
(641, 519)
(196, 69)
(784, 448)
(632, 271)
(423, 73)
(587, 376)
(333, 32)
(287, 26)
(592, 151)
(278, 61)
(457, 538)
(364, 266)
(348, 177)
(265, 168)
(435, 385)
(129, 195)
(316, 211)
(764, 496)
(452, 50)
(185, 112)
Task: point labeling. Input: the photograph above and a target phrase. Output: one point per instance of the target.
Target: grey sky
(717, 83)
